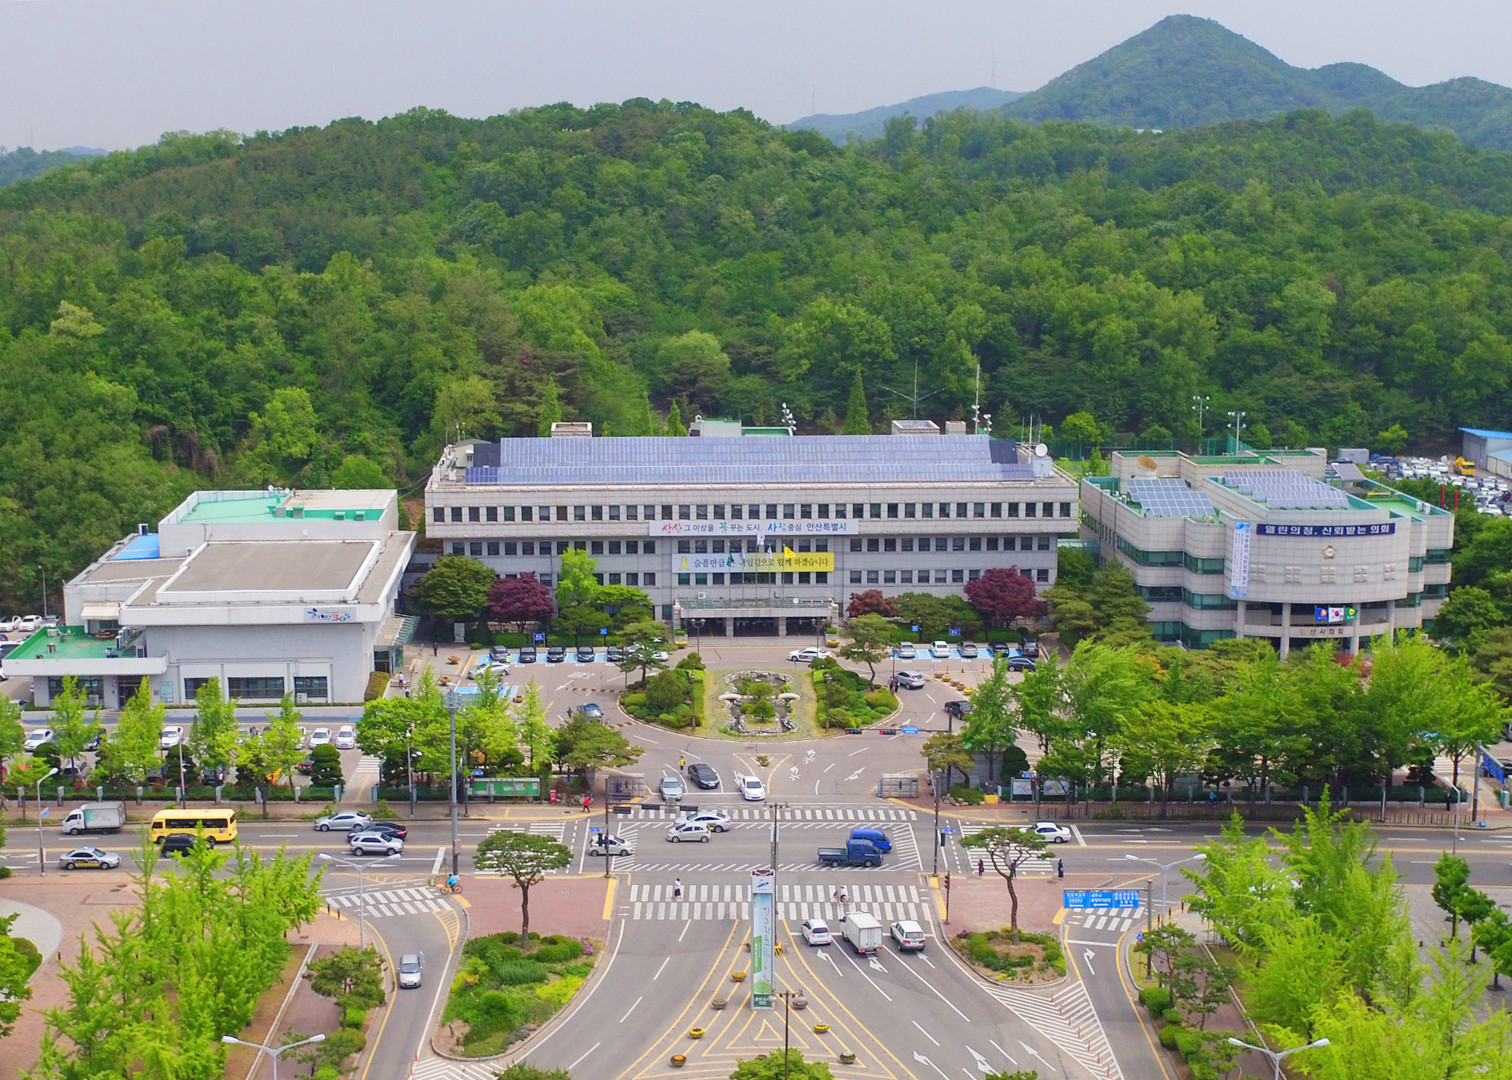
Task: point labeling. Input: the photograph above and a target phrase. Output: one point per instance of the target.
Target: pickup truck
(95, 817)
(854, 853)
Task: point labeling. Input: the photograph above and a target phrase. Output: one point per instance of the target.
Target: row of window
(478, 548)
(266, 687)
(1172, 594)
(955, 577)
(719, 546)
(857, 577)
(751, 511)
(951, 543)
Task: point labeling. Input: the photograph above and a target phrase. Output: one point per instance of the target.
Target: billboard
(753, 562)
(801, 527)
(763, 940)
(1238, 565)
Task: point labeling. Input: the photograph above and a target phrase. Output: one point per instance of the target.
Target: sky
(118, 74)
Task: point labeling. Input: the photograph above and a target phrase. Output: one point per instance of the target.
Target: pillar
(782, 626)
(729, 626)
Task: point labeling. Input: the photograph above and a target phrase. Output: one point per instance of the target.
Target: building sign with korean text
(1239, 556)
(328, 614)
(751, 528)
(752, 562)
(1385, 528)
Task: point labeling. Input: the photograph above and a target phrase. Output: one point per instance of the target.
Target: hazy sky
(118, 74)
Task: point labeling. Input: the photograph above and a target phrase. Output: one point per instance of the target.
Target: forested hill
(25, 163)
(324, 306)
(868, 124)
(1185, 71)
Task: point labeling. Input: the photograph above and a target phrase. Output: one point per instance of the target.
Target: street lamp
(44, 589)
(41, 855)
(1163, 867)
(361, 895)
(1275, 1057)
(456, 842)
(274, 1052)
(786, 996)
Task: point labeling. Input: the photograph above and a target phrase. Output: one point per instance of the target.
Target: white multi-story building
(754, 533)
(1275, 545)
(271, 592)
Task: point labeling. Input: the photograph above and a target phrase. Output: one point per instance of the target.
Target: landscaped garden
(503, 993)
(673, 698)
(1033, 958)
(759, 703)
(846, 699)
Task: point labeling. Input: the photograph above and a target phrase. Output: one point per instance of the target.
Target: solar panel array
(1169, 498)
(799, 459)
(1285, 489)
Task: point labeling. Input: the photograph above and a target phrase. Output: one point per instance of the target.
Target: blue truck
(854, 853)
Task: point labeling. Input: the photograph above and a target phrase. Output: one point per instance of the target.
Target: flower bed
(848, 700)
(1036, 958)
(759, 703)
(501, 993)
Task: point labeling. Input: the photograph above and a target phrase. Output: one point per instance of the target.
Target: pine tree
(551, 410)
(856, 420)
(674, 422)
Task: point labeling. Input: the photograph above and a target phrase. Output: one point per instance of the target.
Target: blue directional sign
(916, 628)
(1096, 899)
(954, 632)
(603, 630)
(540, 637)
(909, 730)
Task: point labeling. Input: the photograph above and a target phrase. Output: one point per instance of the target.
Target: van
(877, 837)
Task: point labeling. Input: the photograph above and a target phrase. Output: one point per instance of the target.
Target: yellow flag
(787, 552)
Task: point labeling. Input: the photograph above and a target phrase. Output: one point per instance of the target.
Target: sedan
(528, 654)
(958, 710)
(671, 788)
(387, 828)
(808, 655)
(585, 654)
(170, 738)
(346, 821)
(409, 971)
(30, 624)
(615, 654)
(556, 654)
(712, 820)
(910, 680)
(609, 845)
(375, 843)
(500, 654)
(10, 625)
(941, 649)
(816, 932)
(592, 710)
(661, 656)
(346, 738)
(1020, 663)
(968, 651)
(91, 857)
(703, 775)
(321, 736)
(906, 651)
(687, 830)
(1050, 832)
(752, 789)
(37, 738)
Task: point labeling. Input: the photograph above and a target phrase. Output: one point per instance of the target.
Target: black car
(958, 710)
(527, 654)
(615, 654)
(182, 844)
(585, 654)
(387, 828)
(1020, 663)
(556, 654)
(703, 775)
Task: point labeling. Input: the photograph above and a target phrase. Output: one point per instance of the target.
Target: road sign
(909, 730)
(603, 630)
(916, 628)
(1096, 899)
(540, 637)
(954, 632)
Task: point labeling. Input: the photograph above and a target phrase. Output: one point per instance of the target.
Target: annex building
(1275, 545)
(747, 533)
(271, 592)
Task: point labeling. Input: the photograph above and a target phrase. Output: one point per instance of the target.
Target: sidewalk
(574, 906)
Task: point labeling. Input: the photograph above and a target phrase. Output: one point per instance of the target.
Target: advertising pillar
(763, 922)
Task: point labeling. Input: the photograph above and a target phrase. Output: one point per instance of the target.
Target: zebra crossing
(1115, 919)
(1067, 1018)
(387, 903)
(435, 1068)
(1034, 865)
(702, 902)
(795, 814)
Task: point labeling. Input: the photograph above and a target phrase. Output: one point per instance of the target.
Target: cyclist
(451, 882)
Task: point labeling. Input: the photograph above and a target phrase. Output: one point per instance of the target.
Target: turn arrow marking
(925, 1061)
(981, 1062)
(1032, 1052)
(1088, 955)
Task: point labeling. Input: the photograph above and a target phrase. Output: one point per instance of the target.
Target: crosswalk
(1065, 1017)
(793, 814)
(728, 902)
(435, 1068)
(1035, 865)
(388, 903)
(1116, 919)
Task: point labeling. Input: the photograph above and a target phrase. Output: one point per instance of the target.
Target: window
(456, 513)
(821, 545)
(840, 511)
(803, 577)
(525, 512)
(666, 514)
(701, 546)
(855, 577)
(191, 686)
(960, 510)
(1048, 510)
(858, 510)
(614, 547)
(1042, 543)
(684, 579)
(561, 547)
(944, 510)
(1414, 564)
(1208, 601)
(905, 577)
(474, 513)
(614, 513)
(871, 577)
(889, 577)
(787, 577)
(923, 577)
(957, 543)
(855, 543)
(771, 511)
(648, 547)
(596, 513)
(1013, 510)
(957, 577)
(509, 513)
(262, 687)
(1029, 509)
(527, 547)
(718, 579)
(700, 579)
(824, 511)
(871, 543)
(806, 510)
(543, 513)
(1065, 509)
(685, 547)
(632, 579)
(802, 545)
(684, 512)
(974, 544)
(940, 577)
(910, 510)
(632, 545)
(992, 543)
(492, 514)
(561, 514)
(596, 547)
(648, 580)
(459, 548)
(1148, 558)
(718, 548)
(821, 577)
(577, 545)
(313, 687)
(892, 510)
(753, 511)
(997, 510)
(1435, 592)
(1437, 556)
(737, 512)
(890, 544)
(511, 548)
(1161, 594)
(614, 579)
(1042, 575)
(923, 543)
(1026, 543)
(701, 512)
(928, 509)
(789, 511)
(493, 547)
(438, 514)
(1202, 566)
(719, 512)
(908, 543)
(978, 510)
(973, 575)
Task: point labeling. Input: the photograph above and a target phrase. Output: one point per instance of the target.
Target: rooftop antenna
(915, 398)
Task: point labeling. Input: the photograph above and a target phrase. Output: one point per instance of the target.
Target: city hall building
(737, 532)
(1275, 545)
(271, 592)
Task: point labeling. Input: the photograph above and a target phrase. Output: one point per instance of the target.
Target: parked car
(528, 654)
(609, 845)
(345, 821)
(910, 680)
(615, 654)
(10, 624)
(409, 971)
(1020, 663)
(968, 651)
(375, 843)
(90, 857)
(171, 737)
(671, 788)
(808, 655)
(586, 654)
(661, 656)
(941, 649)
(321, 736)
(29, 624)
(703, 775)
(908, 935)
(712, 820)
(37, 738)
(682, 831)
(1051, 832)
(500, 654)
(751, 788)
(816, 932)
(556, 654)
(346, 738)
(906, 651)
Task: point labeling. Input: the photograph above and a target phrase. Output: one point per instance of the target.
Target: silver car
(346, 821)
(409, 971)
(671, 788)
(375, 843)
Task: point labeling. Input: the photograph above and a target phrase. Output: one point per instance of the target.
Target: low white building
(271, 592)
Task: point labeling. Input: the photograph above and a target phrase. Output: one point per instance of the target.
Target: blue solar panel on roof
(1168, 498)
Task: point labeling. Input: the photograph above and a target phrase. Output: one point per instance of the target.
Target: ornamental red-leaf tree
(1000, 596)
(520, 599)
(871, 602)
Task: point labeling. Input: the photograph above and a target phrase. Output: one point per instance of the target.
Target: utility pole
(1238, 425)
(456, 843)
(1200, 402)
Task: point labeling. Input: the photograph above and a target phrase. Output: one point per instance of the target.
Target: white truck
(95, 817)
(862, 931)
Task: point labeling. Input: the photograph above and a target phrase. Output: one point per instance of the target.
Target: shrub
(557, 950)
(1188, 1042)
(883, 701)
(1155, 998)
(1168, 1036)
(560, 992)
(632, 701)
(520, 973)
(666, 690)
(341, 1044)
(1171, 1015)
(691, 662)
(969, 796)
(28, 951)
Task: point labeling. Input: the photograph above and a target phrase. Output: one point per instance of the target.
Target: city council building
(738, 532)
(271, 592)
(1275, 545)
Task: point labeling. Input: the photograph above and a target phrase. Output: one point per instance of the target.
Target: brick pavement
(572, 905)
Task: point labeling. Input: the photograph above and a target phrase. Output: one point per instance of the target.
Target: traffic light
(947, 881)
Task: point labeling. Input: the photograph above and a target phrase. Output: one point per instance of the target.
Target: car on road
(941, 649)
(94, 742)
(91, 857)
(908, 935)
(816, 932)
(375, 843)
(527, 654)
(671, 788)
(556, 654)
(968, 651)
(171, 737)
(37, 738)
(321, 736)
(346, 821)
(910, 680)
(346, 738)
(906, 651)
(703, 775)
(958, 710)
(409, 971)
(609, 845)
(388, 828)
(682, 831)
(808, 655)
(751, 788)
(586, 654)
(1020, 663)
(614, 654)
(181, 844)
(1050, 832)
(499, 654)
(592, 710)
(712, 820)
(661, 656)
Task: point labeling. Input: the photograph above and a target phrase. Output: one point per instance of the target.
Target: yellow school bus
(219, 825)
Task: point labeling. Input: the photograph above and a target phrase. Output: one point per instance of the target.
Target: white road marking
(1076, 832)
(853, 753)
(830, 766)
(631, 1009)
(665, 961)
(1011, 1059)
(921, 1058)
(1032, 1052)
(440, 855)
(1088, 955)
(586, 1052)
(926, 1034)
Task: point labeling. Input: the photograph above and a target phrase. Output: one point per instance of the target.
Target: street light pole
(607, 853)
(41, 856)
(44, 589)
(1275, 1056)
(936, 871)
(455, 840)
(1163, 867)
(274, 1052)
(361, 897)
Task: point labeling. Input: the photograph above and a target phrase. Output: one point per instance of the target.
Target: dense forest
(328, 305)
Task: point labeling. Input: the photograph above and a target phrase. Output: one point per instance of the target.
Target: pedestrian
(434, 647)
(682, 763)
(981, 868)
(844, 901)
(677, 888)
(1060, 868)
(835, 899)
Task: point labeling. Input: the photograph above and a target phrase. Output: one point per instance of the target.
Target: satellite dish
(1041, 450)
(1146, 462)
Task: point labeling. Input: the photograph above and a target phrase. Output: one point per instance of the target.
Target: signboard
(753, 562)
(1239, 552)
(1321, 631)
(954, 632)
(506, 786)
(1385, 528)
(1053, 787)
(328, 614)
(1023, 787)
(909, 730)
(1329, 615)
(763, 930)
(540, 637)
(1493, 768)
(1083, 899)
(751, 528)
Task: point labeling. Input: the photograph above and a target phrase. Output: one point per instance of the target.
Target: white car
(610, 845)
(941, 649)
(751, 788)
(171, 737)
(29, 624)
(37, 738)
(687, 830)
(346, 738)
(808, 655)
(1050, 832)
(661, 656)
(908, 935)
(346, 821)
(816, 932)
(321, 736)
(409, 971)
(10, 624)
(713, 820)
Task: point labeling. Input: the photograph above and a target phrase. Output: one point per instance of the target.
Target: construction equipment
(1464, 467)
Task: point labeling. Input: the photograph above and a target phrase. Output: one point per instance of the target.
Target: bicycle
(444, 887)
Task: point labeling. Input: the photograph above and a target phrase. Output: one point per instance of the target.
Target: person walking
(844, 902)
(981, 868)
(677, 888)
(587, 801)
(1060, 868)
(682, 763)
